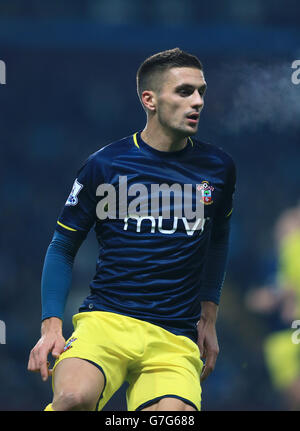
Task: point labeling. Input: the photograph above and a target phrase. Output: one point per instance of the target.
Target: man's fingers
(205, 372)
(37, 370)
(58, 348)
(200, 346)
(204, 354)
(44, 370)
(55, 354)
(39, 354)
(30, 363)
(38, 366)
(38, 362)
(33, 361)
(209, 366)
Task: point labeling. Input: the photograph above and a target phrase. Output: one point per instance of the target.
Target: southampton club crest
(206, 191)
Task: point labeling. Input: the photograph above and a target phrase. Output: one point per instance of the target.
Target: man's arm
(56, 282)
(57, 273)
(207, 337)
(73, 224)
(214, 273)
(215, 269)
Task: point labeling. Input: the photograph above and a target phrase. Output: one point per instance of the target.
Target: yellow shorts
(155, 362)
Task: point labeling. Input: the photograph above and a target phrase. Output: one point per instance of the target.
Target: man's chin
(185, 132)
(191, 131)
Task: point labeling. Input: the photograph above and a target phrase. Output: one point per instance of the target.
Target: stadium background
(70, 90)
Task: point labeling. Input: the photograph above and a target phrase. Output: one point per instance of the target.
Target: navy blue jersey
(150, 268)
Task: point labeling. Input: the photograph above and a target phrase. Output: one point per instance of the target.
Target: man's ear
(149, 100)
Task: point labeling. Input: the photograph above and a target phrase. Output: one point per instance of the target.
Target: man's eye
(184, 92)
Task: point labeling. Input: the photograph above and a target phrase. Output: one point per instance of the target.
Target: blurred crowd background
(70, 89)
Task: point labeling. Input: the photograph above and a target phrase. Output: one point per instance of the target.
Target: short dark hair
(161, 62)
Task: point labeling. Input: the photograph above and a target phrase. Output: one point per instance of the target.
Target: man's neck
(161, 140)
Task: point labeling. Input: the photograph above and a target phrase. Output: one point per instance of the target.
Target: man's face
(180, 100)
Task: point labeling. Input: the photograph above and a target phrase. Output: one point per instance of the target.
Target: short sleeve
(79, 212)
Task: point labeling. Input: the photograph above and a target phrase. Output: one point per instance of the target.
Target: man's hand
(52, 341)
(207, 338)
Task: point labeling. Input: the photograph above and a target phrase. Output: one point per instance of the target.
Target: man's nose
(198, 100)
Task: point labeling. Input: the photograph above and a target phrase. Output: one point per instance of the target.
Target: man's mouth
(193, 118)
